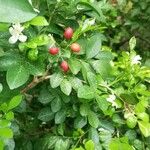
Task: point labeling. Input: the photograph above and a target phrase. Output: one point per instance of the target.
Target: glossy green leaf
(66, 87)
(76, 83)
(6, 133)
(62, 145)
(14, 102)
(60, 116)
(144, 127)
(74, 65)
(56, 80)
(132, 43)
(129, 98)
(86, 92)
(17, 76)
(39, 21)
(16, 11)
(89, 145)
(9, 116)
(45, 96)
(91, 77)
(56, 104)
(46, 114)
(93, 119)
(80, 122)
(84, 109)
(93, 46)
(102, 67)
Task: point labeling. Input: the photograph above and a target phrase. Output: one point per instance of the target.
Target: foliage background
(43, 108)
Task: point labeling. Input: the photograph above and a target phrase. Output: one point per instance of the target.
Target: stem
(35, 82)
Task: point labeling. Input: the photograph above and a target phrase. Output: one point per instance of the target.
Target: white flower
(16, 34)
(112, 99)
(87, 23)
(136, 60)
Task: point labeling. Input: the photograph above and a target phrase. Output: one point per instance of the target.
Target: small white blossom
(112, 99)
(87, 23)
(16, 34)
(136, 60)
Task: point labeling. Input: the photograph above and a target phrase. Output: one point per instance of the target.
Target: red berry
(68, 33)
(53, 50)
(64, 66)
(75, 47)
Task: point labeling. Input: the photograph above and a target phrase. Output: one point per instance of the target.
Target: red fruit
(53, 50)
(75, 47)
(68, 33)
(64, 66)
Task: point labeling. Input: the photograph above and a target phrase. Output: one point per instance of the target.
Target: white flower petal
(136, 60)
(13, 39)
(11, 29)
(18, 27)
(22, 38)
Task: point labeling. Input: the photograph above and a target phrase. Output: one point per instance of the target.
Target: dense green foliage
(91, 95)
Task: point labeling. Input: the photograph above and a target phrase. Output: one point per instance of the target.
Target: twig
(35, 82)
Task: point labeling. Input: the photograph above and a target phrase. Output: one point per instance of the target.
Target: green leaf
(45, 96)
(131, 121)
(60, 116)
(76, 83)
(105, 55)
(16, 11)
(102, 103)
(41, 40)
(6, 133)
(4, 26)
(8, 60)
(46, 114)
(86, 92)
(56, 104)
(91, 77)
(143, 116)
(117, 144)
(94, 135)
(93, 47)
(89, 145)
(80, 122)
(84, 109)
(62, 145)
(39, 21)
(129, 98)
(93, 119)
(85, 68)
(36, 68)
(102, 67)
(56, 80)
(66, 87)
(9, 116)
(14, 102)
(144, 127)
(74, 65)
(17, 76)
(132, 43)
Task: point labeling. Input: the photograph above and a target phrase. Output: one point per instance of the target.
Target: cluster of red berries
(75, 47)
